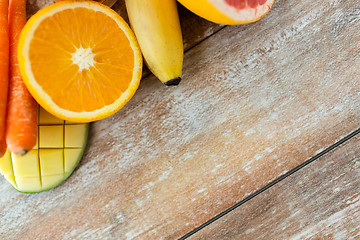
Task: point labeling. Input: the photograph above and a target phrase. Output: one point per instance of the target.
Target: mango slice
(59, 149)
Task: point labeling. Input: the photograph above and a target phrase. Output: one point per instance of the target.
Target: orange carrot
(21, 123)
(4, 70)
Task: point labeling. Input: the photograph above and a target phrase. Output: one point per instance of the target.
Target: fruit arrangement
(75, 62)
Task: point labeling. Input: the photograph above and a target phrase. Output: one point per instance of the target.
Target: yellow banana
(157, 28)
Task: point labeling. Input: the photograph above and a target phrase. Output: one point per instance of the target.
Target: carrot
(21, 123)
(4, 70)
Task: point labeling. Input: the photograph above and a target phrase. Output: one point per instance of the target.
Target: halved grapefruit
(229, 12)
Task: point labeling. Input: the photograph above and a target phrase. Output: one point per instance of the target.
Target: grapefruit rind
(218, 11)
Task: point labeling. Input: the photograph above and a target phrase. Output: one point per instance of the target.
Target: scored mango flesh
(59, 148)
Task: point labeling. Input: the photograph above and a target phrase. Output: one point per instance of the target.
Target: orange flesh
(242, 4)
(98, 84)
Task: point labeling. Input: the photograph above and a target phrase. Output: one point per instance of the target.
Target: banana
(157, 28)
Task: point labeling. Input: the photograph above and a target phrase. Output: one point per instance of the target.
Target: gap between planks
(276, 181)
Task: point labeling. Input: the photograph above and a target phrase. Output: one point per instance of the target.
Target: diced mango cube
(51, 161)
(6, 164)
(51, 181)
(71, 157)
(51, 136)
(28, 184)
(26, 166)
(46, 118)
(75, 135)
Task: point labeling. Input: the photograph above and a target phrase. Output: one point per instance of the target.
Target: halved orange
(80, 60)
(230, 12)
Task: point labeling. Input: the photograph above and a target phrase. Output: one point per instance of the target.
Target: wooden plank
(256, 101)
(320, 201)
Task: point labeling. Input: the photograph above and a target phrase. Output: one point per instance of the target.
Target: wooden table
(259, 141)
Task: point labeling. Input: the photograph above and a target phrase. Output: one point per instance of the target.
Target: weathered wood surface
(320, 201)
(255, 102)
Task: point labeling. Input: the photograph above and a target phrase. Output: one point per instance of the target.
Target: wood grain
(255, 102)
(320, 201)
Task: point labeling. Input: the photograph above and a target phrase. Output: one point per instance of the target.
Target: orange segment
(80, 60)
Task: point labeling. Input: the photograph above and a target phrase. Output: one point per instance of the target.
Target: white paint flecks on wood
(320, 201)
(255, 102)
